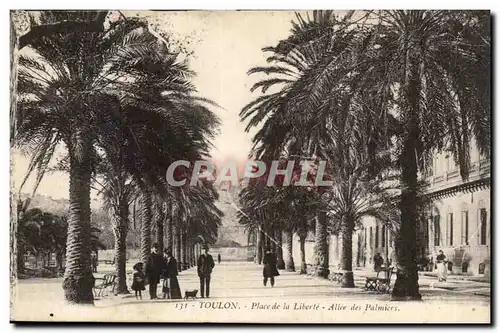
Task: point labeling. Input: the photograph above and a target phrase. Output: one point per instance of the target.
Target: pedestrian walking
(378, 261)
(93, 261)
(171, 288)
(218, 258)
(205, 266)
(154, 269)
(270, 270)
(442, 269)
(138, 280)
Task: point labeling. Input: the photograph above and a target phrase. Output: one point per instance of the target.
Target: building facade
(457, 221)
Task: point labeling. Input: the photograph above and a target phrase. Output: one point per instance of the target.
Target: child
(138, 280)
(166, 288)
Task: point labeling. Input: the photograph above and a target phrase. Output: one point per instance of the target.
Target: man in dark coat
(154, 269)
(205, 265)
(270, 270)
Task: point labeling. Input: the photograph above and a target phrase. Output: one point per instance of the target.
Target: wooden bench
(378, 283)
(101, 285)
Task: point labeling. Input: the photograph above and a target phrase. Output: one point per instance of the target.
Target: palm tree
(289, 129)
(118, 193)
(422, 69)
(440, 65)
(425, 69)
(28, 231)
(289, 264)
(279, 248)
(81, 93)
(260, 206)
(169, 232)
(66, 94)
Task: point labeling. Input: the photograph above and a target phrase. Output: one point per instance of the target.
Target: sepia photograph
(252, 167)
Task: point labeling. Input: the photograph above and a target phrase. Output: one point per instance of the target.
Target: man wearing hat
(154, 268)
(205, 266)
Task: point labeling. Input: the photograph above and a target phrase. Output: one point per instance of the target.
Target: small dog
(190, 293)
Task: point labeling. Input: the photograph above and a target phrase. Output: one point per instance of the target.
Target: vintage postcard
(319, 166)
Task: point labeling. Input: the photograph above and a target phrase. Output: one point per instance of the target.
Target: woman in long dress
(171, 283)
(442, 270)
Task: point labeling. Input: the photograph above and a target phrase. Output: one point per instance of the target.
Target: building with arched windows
(457, 219)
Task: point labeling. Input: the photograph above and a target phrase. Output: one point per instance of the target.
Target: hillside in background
(60, 207)
(231, 233)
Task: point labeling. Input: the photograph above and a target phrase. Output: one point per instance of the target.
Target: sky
(226, 44)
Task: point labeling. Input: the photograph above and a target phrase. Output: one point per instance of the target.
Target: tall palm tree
(73, 95)
(424, 69)
(64, 96)
(419, 70)
(169, 232)
(440, 65)
(118, 192)
(289, 129)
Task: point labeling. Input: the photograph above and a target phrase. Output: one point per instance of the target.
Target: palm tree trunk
(169, 230)
(146, 218)
(78, 279)
(160, 221)
(290, 266)
(190, 254)
(272, 241)
(184, 251)
(303, 265)
(406, 286)
(279, 238)
(121, 258)
(193, 257)
(265, 240)
(260, 240)
(321, 246)
(347, 228)
(120, 230)
(178, 247)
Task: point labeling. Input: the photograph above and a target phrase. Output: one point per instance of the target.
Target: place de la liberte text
(318, 306)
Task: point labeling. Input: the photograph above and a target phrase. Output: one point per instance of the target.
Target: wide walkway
(238, 295)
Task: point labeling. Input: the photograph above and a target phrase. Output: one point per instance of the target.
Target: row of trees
(42, 234)
(120, 104)
(374, 94)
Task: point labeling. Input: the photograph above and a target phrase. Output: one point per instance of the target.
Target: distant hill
(57, 206)
(61, 207)
(49, 204)
(231, 233)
